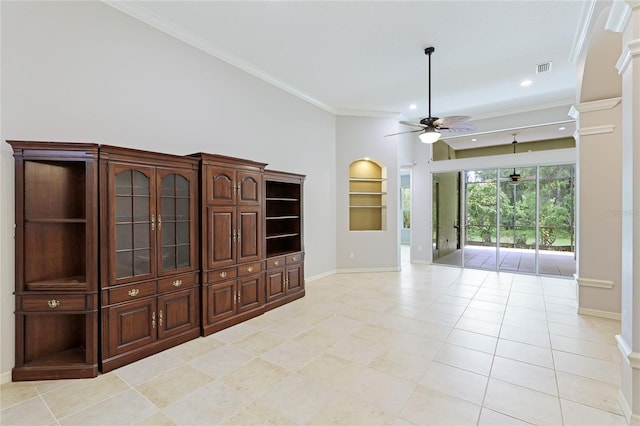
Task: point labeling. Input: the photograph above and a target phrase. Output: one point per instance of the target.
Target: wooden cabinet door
(177, 312)
(249, 188)
(176, 223)
(295, 278)
(132, 223)
(275, 284)
(221, 301)
(249, 229)
(221, 186)
(250, 292)
(221, 244)
(131, 326)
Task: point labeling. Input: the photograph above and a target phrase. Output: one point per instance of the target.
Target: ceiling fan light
(429, 136)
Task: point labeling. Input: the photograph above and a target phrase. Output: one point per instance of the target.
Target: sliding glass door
(522, 225)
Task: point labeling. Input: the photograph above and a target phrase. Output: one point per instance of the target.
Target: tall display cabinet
(231, 235)
(56, 275)
(149, 258)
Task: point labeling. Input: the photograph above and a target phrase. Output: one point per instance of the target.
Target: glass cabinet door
(175, 222)
(134, 223)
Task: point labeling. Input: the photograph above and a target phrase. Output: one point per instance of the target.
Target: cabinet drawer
(54, 303)
(275, 262)
(132, 292)
(221, 275)
(293, 258)
(249, 268)
(176, 283)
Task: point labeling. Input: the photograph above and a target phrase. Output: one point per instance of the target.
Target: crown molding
(630, 51)
(582, 31)
(618, 17)
(601, 105)
(365, 113)
(153, 20)
(524, 109)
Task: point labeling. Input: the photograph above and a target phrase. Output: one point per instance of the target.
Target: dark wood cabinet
(283, 237)
(122, 253)
(56, 275)
(231, 210)
(149, 276)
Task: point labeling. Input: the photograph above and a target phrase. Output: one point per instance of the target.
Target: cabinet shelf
(283, 235)
(368, 207)
(75, 355)
(60, 284)
(55, 220)
(362, 179)
(293, 200)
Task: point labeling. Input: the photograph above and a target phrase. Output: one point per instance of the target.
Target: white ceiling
(367, 57)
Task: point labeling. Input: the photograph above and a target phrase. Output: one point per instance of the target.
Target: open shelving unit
(367, 196)
(282, 217)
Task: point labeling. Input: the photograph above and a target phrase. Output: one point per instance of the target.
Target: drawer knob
(295, 258)
(249, 268)
(177, 283)
(223, 274)
(133, 292)
(53, 303)
(277, 262)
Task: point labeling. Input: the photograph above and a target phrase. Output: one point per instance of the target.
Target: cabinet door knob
(177, 283)
(277, 262)
(153, 320)
(133, 292)
(249, 268)
(160, 317)
(295, 258)
(53, 303)
(223, 274)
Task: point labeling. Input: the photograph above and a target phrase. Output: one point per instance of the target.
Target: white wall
(357, 138)
(83, 71)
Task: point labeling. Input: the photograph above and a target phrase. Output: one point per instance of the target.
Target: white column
(629, 338)
(599, 205)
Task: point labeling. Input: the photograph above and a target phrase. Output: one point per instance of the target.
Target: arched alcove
(367, 195)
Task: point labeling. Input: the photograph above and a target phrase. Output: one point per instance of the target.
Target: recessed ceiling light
(525, 83)
(474, 140)
(561, 128)
(413, 106)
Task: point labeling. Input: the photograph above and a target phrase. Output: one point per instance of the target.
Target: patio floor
(514, 260)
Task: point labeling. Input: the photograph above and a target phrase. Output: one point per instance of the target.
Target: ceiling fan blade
(448, 121)
(458, 128)
(413, 124)
(401, 133)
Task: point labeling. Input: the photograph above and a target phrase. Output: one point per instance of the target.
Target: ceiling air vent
(546, 67)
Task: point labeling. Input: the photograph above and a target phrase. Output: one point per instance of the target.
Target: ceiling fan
(432, 126)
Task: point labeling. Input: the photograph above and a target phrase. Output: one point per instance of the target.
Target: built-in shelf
(367, 196)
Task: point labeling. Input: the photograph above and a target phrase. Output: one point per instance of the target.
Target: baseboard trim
(589, 282)
(632, 358)
(600, 314)
(319, 276)
(632, 419)
(5, 377)
(359, 270)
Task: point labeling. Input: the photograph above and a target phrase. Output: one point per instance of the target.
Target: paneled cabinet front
(149, 236)
(231, 193)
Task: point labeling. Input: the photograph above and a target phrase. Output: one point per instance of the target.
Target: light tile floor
(430, 345)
